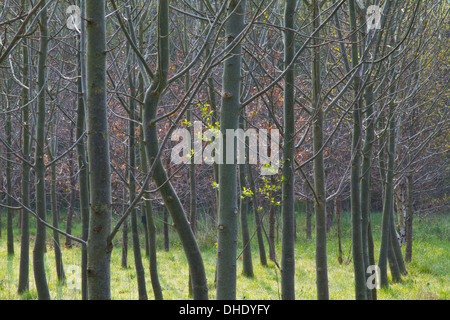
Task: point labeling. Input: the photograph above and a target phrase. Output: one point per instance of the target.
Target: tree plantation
(224, 150)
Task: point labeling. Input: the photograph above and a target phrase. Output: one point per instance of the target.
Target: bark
(338, 218)
(288, 177)
(9, 202)
(247, 264)
(308, 219)
(409, 219)
(357, 241)
(387, 202)
(23, 284)
(171, 200)
(151, 230)
(70, 210)
(55, 215)
(39, 247)
(257, 218)
(140, 273)
(98, 250)
(320, 206)
(229, 119)
(83, 182)
(366, 176)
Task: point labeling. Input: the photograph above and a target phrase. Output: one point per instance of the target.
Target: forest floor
(428, 272)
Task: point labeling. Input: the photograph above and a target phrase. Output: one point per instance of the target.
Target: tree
(288, 177)
(39, 167)
(99, 249)
(229, 119)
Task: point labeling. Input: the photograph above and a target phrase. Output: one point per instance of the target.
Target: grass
(428, 277)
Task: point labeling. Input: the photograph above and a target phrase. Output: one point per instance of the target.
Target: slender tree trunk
(271, 239)
(70, 210)
(288, 180)
(338, 218)
(151, 229)
(25, 234)
(98, 251)
(166, 229)
(55, 214)
(229, 119)
(366, 177)
(125, 231)
(320, 206)
(388, 202)
(171, 200)
(247, 263)
(10, 211)
(357, 241)
(83, 174)
(39, 247)
(140, 273)
(308, 219)
(257, 218)
(409, 219)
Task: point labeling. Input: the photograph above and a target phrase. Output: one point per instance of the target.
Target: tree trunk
(9, 202)
(366, 177)
(409, 219)
(25, 235)
(308, 219)
(39, 246)
(338, 218)
(288, 177)
(171, 200)
(247, 263)
(140, 273)
(151, 229)
(229, 119)
(258, 219)
(55, 214)
(98, 251)
(320, 206)
(83, 179)
(388, 202)
(357, 241)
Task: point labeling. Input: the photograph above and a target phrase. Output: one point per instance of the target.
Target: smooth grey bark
(151, 228)
(23, 284)
(70, 210)
(320, 206)
(308, 218)
(257, 218)
(83, 179)
(409, 219)
(387, 200)
(9, 200)
(229, 119)
(288, 177)
(366, 177)
(140, 273)
(357, 241)
(247, 263)
(98, 250)
(83, 174)
(39, 245)
(152, 97)
(55, 214)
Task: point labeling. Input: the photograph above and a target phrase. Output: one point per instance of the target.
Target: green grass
(428, 277)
